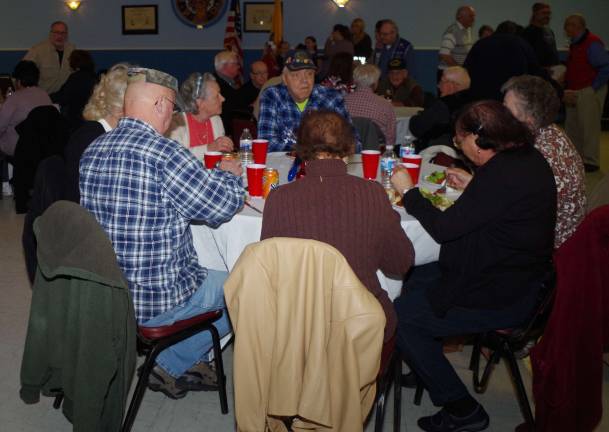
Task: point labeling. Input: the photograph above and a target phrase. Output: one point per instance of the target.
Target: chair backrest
(536, 324)
(369, 132)
(299, 313)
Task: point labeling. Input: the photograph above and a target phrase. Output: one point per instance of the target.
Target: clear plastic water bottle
(245, 148)
(387, 164)
(408, 147)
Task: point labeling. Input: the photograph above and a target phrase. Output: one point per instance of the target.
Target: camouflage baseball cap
(153, 76)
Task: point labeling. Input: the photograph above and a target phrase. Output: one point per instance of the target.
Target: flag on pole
(232, 35)
(277, 23)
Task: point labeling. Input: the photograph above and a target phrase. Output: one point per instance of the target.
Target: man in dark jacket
(433, 125)
(227, 66)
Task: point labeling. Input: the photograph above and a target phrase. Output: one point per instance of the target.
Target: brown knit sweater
(349, 213)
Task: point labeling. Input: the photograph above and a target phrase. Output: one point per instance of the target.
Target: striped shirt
(364, 103)
(144, 189)
(456, 42)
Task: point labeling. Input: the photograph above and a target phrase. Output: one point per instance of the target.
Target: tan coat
(308, 338)
(52, 74)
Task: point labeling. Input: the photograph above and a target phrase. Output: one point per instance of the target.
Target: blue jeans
(420, 331)
(180, 357)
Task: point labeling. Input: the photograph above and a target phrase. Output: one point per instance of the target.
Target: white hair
(366, 75)
(222, 58)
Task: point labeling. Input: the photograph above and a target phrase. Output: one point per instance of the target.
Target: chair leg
(380, 411)
(140, 388)
(520, 390)
(220, 377)
(58, 400)
(418, 393)
(397, 393)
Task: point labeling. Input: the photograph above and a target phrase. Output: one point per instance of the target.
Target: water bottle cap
(389, 147)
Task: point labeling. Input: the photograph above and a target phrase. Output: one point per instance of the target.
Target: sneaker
(161, 381)
(442, 421)
(200, 377)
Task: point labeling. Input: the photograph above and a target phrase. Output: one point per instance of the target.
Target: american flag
(232, 35)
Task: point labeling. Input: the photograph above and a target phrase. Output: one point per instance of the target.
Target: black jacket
(497, 239)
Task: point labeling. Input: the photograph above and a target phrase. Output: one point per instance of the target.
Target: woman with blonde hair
(102, 112)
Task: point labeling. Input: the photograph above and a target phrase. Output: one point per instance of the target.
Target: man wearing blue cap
(281, 106)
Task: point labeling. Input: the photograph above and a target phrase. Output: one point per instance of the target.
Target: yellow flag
(277, 23)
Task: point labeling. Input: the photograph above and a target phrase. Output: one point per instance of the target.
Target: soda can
(270, 181)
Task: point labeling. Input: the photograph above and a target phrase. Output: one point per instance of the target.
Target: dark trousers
(420, 332)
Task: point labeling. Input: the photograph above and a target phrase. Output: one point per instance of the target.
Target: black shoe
(161, 381)
(200, 377)
(589, 168)
(442, 421)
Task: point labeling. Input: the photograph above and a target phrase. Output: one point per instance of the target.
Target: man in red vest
(586, 88)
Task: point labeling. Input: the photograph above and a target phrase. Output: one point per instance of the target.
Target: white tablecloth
(220, 248)
(402, 124)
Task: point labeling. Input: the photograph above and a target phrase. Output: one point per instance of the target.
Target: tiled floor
(198, 411)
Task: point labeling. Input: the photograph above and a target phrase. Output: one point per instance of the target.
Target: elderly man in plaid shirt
(144, 189)
(281, 106)
(363, 102)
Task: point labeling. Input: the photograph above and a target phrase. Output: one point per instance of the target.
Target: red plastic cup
(260, 147)
(414, 170)
(370, 163)
(412, 158)
(211, 159)
(254, 179)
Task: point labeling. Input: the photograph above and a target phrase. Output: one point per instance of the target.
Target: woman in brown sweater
(347, 212)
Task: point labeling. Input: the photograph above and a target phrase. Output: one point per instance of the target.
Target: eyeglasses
(260, 73)
(173, 103)
(60, 33)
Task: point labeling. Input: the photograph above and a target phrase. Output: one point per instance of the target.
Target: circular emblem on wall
(199, 13)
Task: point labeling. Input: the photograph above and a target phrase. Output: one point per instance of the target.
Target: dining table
(219, 247)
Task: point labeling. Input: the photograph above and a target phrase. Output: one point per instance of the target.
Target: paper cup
(414, 171)
(255, 173)
(370, 163)
(260, 147)
(211, 159)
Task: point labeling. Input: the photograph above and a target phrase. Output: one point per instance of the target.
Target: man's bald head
(575, 25)
(466, 15)
(151, 103)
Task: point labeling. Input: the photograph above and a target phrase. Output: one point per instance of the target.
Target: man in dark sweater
(497, 58)
(432, 126)
(541, 37)
(227, 69)
(247, 95)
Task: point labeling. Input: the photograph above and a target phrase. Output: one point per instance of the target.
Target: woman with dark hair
(75, 93)
(347, 212)
(16, 107)
(534, 102)
(340, 73)
(339, 41)
(496, 249)
(310, 44)
(362, 44)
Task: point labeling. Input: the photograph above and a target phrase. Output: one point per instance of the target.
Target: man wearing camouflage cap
(144, 189)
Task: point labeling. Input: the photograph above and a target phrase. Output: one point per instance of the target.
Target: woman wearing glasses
(496, 248)
(200, 128)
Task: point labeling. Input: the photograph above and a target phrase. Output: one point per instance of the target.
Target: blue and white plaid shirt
(280, 117)
(144, 189)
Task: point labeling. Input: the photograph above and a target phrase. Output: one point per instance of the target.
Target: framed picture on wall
(140, 19)
(258, 17)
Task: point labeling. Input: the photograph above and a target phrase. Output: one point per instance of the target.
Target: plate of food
(438, 198)
(436, 177)
(395, 198)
